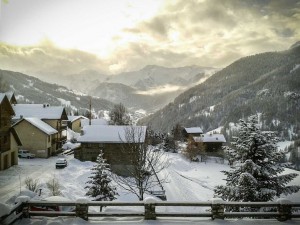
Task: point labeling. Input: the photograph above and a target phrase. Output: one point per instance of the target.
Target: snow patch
(181, 105)
(297, 66)
(4, 209)
(263, 92)
(149, 200)
(194, 98)
(64, 102)
(276, 122)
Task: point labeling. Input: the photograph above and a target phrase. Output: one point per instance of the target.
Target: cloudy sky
(66, 36)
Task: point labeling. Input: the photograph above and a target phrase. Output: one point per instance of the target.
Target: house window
(49, 138)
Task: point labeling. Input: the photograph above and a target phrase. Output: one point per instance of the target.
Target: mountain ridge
(29, 89)
(236, 92)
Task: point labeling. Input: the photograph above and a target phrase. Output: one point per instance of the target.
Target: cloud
(47, 58)
(214, 33)
(183, 32)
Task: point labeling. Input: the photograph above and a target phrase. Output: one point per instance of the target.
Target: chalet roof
(4, 100)
(210, 138)
(193, 130)
(41, 125)
(85, 122)
(111, 134)
(10, 95)
(41, 111)
(74, 118)
(2, 95)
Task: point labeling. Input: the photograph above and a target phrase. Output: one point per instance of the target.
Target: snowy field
(186, 182)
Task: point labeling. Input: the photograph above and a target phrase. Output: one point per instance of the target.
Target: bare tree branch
(144, 163)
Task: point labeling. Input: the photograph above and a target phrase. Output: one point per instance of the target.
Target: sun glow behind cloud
(126, 35)
(86, 25)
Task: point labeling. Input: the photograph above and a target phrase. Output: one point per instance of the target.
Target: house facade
(36, 136)
(75, 124)
(212, 142)
(55, 116)
(8, 149)
(112, 140)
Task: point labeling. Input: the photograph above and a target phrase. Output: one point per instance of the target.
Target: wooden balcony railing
(281, 210)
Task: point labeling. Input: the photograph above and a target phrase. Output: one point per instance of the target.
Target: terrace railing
(216, 208)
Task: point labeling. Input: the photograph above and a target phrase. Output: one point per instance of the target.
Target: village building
(8, 144)
(55, 116)
(36, 136)
(192, 132)
(212, 142)
(112, 140)
(75, 123)
(11, 97)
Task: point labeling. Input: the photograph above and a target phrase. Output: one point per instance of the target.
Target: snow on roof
(41, 125)
(41, 111)
(85, 122)
(210, 138)
(74, 118)
(111, 134)
(9, 94)
(193, 130)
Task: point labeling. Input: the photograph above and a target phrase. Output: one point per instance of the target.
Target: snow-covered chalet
(112, 140)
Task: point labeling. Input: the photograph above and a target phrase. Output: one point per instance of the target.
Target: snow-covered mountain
(266, 84)
(149, 89)
(153, 76)
(32, 90)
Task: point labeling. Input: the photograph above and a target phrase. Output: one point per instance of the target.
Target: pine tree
(99, 186)
(255, 175)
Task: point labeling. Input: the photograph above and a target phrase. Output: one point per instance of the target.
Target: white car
(25, 154)
(61, 163)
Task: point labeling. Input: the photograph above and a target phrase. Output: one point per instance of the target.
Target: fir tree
(99, 186)
(255, 174)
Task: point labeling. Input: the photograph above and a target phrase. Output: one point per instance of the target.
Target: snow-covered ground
(187, 181)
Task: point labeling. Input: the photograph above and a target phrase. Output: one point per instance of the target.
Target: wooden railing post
(25, 207)
(82, 208)
(150, 208)
(284, 209)
(217, 208)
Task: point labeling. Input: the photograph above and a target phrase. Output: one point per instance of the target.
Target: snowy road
(186, 182)
(191, 181)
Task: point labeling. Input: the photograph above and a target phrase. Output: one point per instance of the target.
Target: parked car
(25, 154)
(61, 163)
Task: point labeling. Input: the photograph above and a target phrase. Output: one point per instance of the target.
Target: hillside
(132, 98)
(149, 88)
(32, 90)
(266, 83)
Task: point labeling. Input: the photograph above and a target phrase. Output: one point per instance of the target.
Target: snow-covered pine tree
(256, 173)
(99, 186)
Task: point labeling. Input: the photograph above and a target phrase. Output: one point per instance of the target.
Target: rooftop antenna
(90, 116)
